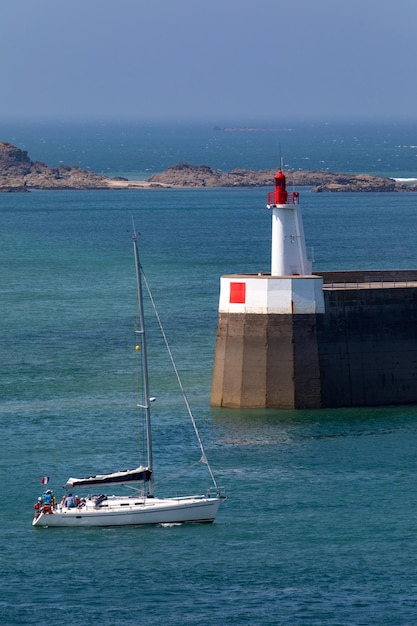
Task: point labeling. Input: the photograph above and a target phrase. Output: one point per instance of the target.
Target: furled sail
(138, 475)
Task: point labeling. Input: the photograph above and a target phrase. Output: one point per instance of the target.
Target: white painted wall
(270, 294)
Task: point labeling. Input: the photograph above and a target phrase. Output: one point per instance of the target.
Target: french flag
(45, 480)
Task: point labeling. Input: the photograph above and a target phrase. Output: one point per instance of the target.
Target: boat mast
(141, 332)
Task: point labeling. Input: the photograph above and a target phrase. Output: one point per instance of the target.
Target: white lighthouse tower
(288, 253)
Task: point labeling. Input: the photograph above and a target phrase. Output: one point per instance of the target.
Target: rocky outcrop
(186, 175)
(359, 182)
(19, 173)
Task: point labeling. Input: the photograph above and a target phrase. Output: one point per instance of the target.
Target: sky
(212, 59)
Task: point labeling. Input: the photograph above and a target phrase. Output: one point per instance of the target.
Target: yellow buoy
(137, 347)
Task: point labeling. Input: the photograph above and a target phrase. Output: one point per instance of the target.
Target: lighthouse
(288, 251)
(292, 339)
(266, 326)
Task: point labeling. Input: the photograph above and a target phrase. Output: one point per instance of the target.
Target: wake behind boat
(142, 507)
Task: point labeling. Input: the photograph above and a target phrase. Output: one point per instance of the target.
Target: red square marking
(237, 293)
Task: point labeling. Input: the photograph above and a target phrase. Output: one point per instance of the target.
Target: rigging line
(178, 473)
(204, 458)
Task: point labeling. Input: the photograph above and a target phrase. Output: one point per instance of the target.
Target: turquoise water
(319, 526)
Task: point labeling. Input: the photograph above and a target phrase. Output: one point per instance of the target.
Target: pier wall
(367, 346)
(266, 361)
(362, 351)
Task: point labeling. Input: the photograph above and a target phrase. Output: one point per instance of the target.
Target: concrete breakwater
(367, 338)
(361, 351)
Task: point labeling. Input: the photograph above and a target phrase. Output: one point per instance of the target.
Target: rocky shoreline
(18, 173)
(186, 175)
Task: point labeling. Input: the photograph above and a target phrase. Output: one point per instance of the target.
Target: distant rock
(358, 182)
(19, 173)
(186, 175)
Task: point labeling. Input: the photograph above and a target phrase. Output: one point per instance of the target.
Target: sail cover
(138, 475)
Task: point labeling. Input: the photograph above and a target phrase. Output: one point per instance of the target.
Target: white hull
(131, 511)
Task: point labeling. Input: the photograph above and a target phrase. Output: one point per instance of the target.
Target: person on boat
(38, 507)
(70, 502)
(38, 504)
(48, 497)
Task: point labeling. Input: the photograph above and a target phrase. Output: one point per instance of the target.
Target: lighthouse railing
(293, 198)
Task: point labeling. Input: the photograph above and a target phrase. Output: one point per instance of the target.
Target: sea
(320, 522)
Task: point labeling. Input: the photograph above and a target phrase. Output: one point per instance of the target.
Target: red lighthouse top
(280, 193)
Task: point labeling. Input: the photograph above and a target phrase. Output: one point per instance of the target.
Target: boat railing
(210, 493)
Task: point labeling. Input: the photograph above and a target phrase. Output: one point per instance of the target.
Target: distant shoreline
(18, 173)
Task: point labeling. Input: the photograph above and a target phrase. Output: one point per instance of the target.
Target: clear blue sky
(211, 59)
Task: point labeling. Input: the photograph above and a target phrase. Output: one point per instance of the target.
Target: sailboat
(142, 506)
